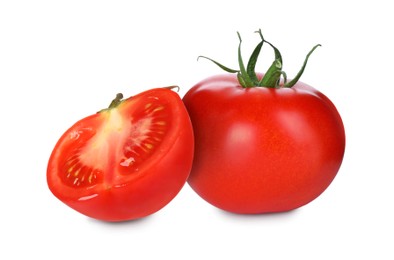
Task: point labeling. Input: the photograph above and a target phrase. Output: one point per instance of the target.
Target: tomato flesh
(124, 162)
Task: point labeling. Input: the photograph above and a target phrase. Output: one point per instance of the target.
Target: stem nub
(116, 101)
(177, 88)
(247, 76)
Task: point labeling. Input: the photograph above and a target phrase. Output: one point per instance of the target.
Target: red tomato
(127, 161)
(262, 149)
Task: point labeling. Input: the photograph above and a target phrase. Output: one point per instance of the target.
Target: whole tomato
(262, 148)
(127, 161)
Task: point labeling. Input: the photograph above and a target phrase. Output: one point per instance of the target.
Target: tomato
(127, 161)
(262, 149)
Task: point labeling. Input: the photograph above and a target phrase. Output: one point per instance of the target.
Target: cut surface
(115, 142)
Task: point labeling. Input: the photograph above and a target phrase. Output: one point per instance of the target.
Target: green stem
(272, 76)
(173, 87)
(116, 101)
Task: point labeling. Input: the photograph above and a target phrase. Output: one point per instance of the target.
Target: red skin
(260, 150)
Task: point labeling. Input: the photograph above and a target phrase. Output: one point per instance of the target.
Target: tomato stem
(115, 102)
(173, 87)
(247, 77)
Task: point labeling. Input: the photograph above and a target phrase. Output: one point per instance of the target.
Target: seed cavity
(92, 177)
(150, 109)
(76, 174)
(148, 145)
(159, 108)
(127, 162)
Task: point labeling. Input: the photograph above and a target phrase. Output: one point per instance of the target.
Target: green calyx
(247, 76)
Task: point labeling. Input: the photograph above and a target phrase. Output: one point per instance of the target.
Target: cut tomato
(127, 161)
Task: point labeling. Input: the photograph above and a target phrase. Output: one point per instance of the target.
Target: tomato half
(127, 161)
(262, 149)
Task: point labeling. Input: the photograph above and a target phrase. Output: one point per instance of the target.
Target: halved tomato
(127, 161)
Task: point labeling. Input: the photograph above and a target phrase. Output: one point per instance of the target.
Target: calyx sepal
(247, 76)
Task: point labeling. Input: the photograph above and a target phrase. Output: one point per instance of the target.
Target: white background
(63, 60)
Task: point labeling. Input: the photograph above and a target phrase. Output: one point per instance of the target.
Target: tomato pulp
(127, 161)
(259, 149)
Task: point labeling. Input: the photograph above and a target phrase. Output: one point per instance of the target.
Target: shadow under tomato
(286, 215)
(139, 221)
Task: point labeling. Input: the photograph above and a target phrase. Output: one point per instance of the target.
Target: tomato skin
(125, 193)
(260, 150)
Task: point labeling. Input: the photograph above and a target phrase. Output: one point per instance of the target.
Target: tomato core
(120, 140)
